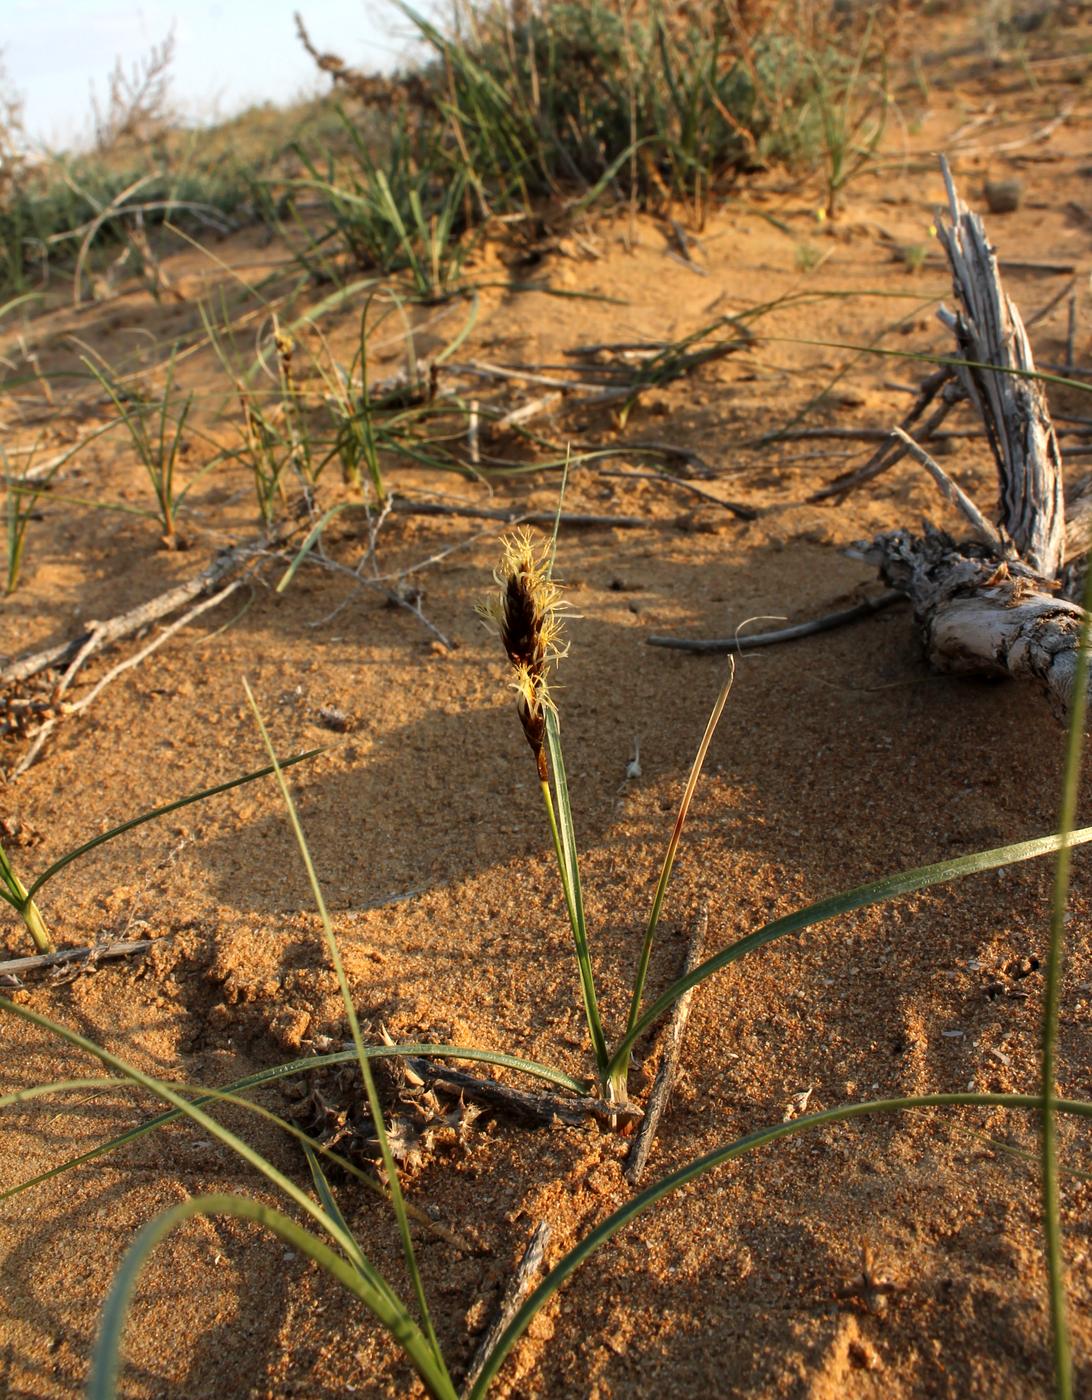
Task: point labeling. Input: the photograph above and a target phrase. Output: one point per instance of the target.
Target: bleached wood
(999, 605)
(979, 615)
(989, 331)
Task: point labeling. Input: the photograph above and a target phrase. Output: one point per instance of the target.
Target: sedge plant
(156, 428)
(529, 614)
(526, 613)
(265, 450)
(356, 443)
(329, 1241)
(24, 489)
(332, 1246)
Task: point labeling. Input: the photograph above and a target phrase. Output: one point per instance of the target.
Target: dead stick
(103, 634)
(666, 449)
(651, 347)
(840, 434)
(666, 479)
(77, 661)
(783, 634)
(527, 376)
(519, 1286)
(953, 492)
(104, 952)
(540, 1108)
(1047, 307)
(1071, 335)
(155, 644)
(30, 757)
(1050, 269)
(668, 1071)
(510, 517)
(529, 410)
(883, 459)
(884, 434)
(885, 456)
(393, 597)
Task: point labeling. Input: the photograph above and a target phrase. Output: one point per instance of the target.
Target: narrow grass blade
(322, 1189)
(328, 1201)
(169, 1095)
(567, 1266)
(875, 892)
(105, 1362)
(673, 845)
(313, 537)
(204, 1095)
(565, 841)
(464, 331)
(59, 865)
(14, 892)
(61, 1086)
(951, 361)
(304, 1066)
(1052, 1225)
(389, 1166)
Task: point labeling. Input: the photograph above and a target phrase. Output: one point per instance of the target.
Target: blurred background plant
(516, 117)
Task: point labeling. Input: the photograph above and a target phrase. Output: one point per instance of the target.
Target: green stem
(875, 892)
(36, 927)
(1052, 1225)
(393, 1182)
(102, 1383)
(575, 905)
(304, 1066)
(23, 903)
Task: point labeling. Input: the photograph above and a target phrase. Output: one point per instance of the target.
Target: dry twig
(97, 636)
(86, 957)
(519, 1286)
(637, 1159)
(782, 634)
(546, 1109)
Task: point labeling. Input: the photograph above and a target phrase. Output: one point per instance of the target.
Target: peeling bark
(999, 605)
(989, 331)
(979, 615)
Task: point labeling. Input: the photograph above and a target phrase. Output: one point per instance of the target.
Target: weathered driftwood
(996, 605)
(1013, 407)
(980, 615)
(97, 636)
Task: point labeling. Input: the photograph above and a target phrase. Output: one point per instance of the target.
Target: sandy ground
(839, 758)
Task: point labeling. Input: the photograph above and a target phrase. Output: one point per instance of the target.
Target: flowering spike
(525, 614)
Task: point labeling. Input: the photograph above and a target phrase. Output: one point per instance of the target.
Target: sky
(228, 53)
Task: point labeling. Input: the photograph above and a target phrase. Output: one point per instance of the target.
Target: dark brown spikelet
(525, 614)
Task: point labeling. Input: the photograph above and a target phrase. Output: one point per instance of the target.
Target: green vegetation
(389, 205)
(337, 1251)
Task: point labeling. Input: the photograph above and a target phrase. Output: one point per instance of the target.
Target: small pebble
(1003, 196)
